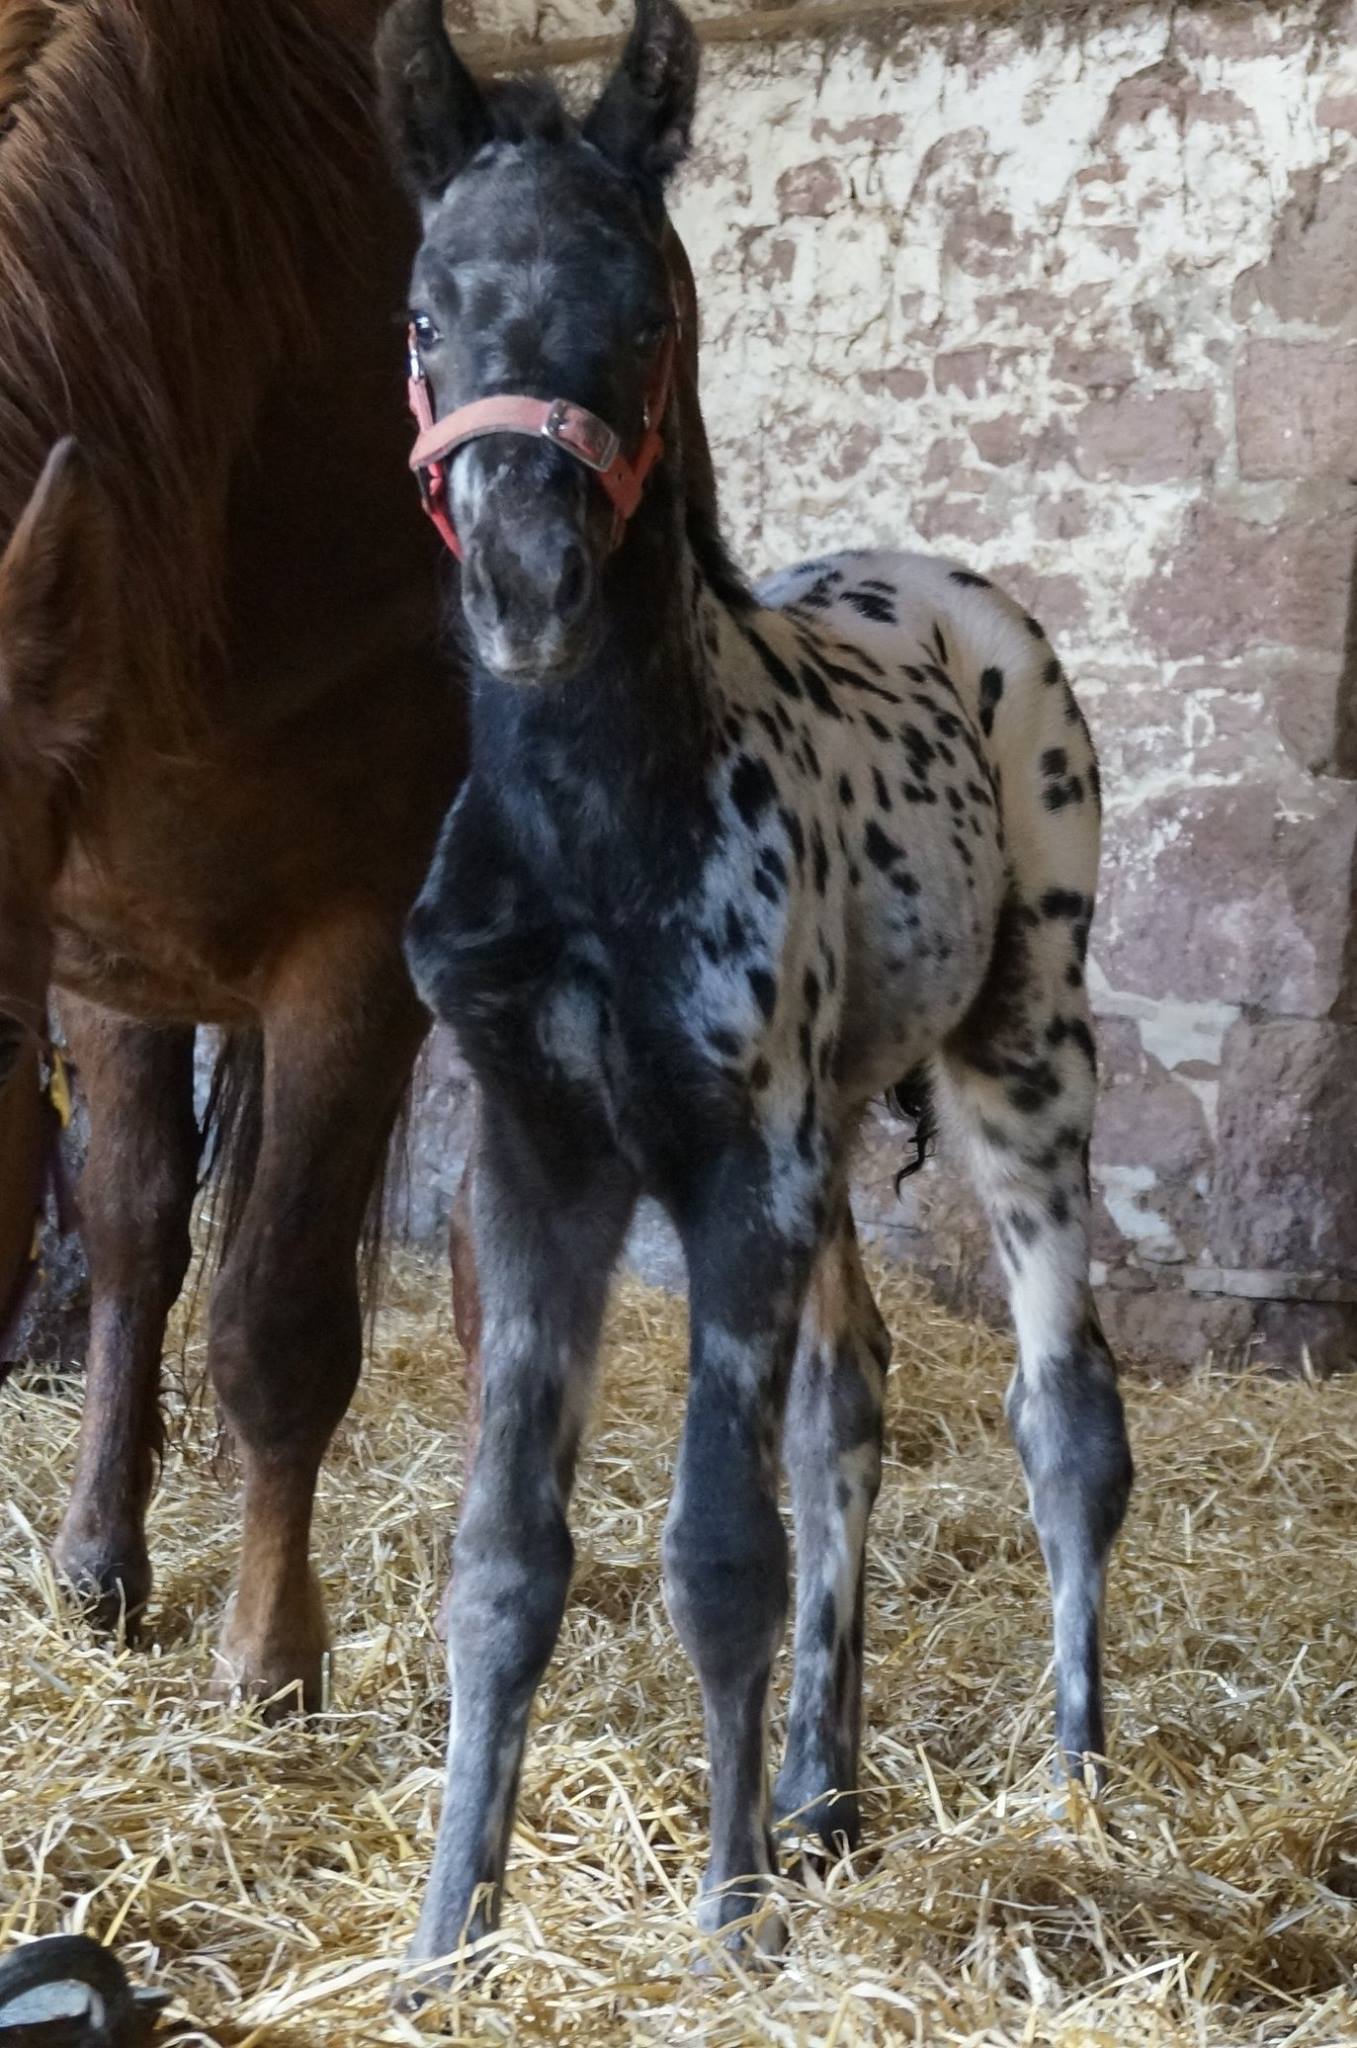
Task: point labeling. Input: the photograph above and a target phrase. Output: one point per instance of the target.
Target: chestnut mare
(55, 617)
(204, 266)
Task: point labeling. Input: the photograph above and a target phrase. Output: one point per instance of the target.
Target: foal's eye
(426, 334)
(650, 334)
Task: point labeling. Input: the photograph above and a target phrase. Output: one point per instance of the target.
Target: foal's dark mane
(163, 167)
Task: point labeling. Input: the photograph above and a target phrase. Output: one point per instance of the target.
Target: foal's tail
(912, 1101)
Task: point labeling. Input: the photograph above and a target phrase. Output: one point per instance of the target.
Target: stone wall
(1071, 292)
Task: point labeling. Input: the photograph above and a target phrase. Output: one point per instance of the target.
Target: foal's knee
(510, 1580)
(725, 1583)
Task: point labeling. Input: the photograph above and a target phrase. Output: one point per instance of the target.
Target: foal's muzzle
(529, 585)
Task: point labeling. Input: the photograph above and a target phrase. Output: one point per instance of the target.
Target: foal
(724, 870)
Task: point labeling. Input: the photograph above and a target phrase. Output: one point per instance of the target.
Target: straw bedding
(270, 1876)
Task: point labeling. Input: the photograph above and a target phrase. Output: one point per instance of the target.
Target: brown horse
(56, 613)
(204, 270)
(203, 282)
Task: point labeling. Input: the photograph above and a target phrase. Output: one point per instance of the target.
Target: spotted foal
(725, 868)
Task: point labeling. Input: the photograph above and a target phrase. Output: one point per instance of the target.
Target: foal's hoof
(1080, 1777)
(283, 1666)
(429, 1966)
(748, 1930)
(109, 1580)
(802, 1810)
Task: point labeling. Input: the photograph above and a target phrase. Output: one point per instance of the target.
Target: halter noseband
(581, 434)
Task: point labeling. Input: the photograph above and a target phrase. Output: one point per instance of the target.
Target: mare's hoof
(109, 1581)
(285, 1668)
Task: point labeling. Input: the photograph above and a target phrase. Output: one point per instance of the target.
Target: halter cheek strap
(581, 434)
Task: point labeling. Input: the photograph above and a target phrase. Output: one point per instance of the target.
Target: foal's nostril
(483, 589)
(572, 585)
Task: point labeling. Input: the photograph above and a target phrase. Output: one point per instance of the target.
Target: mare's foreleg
(341, 1030)
(136, 1199)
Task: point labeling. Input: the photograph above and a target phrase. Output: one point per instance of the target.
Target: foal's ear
(432, 109)
(57, 611)
(644, 117)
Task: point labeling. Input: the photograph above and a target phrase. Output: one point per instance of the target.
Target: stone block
(1296, 409)
(1310, 277)
(1285, 1194)
(1153, 1152)
(813, 189)
(1226, 586)
(1147, 437)
(1167, 1329)
(1310, 1337)
(436, 1149)
(1228, 894)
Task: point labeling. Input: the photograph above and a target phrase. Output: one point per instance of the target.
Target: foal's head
(541, 274)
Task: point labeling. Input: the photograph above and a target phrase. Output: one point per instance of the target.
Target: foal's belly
(910, 984)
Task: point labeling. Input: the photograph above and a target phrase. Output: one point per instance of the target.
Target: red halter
(581, 434)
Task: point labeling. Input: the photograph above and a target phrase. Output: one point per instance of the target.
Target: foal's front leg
(725, 1549)
(548, 1209)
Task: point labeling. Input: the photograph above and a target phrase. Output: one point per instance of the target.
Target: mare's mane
(171, 174)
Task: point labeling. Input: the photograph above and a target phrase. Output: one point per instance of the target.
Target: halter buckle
(589, 439)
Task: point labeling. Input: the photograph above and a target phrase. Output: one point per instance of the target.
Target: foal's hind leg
(832, 1450)
(1020, 1078)
(341, 1029)
(136, 1197)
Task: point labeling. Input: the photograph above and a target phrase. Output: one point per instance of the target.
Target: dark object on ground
(70, 1992)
